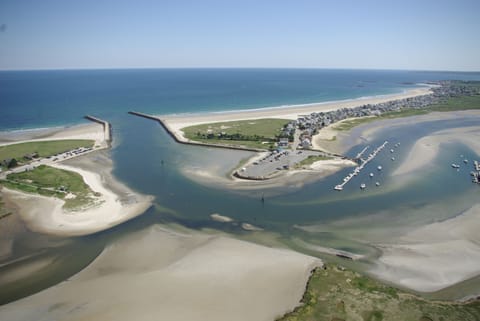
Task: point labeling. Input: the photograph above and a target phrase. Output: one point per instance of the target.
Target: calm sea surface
(310, 215)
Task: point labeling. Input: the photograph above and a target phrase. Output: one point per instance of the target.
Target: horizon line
(238, 68)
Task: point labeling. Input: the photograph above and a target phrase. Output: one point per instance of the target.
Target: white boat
(465, 161)
(391, 150)
(379, 167)
(371, 174)
(455, 166)
(393, 158)
(338, 188)
(377, 184)
(363, 186)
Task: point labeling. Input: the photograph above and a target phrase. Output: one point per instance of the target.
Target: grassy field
(338, 294)
(350, 123)
(44, 149)
(249, 133)
(311, 159)
(53, 182)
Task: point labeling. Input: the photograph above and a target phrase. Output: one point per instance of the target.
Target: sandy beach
(92, 131)
(46, 215)
(157, 274)
(176, 122)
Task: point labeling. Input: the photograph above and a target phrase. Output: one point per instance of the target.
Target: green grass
(44, 149)
(451, 104)
(248, 133)
(47, 181)
(458, 103)
(312, 159)
(340, 294)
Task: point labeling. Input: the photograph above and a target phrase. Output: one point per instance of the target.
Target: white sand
(45, 214)
(93, 131)
(426, 149)
(176, 122)
(434, 256)
(158, 275)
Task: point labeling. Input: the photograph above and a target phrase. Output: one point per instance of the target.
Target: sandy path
(159, 275)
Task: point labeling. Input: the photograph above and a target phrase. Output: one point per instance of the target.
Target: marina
(359, 168)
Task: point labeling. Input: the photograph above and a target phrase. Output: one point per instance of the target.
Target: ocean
(293, 216)
(33, 99)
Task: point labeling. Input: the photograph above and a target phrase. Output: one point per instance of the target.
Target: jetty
(359, 168)
(182, 140)
(107, 128)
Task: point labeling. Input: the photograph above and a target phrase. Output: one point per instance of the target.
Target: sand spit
(155, 274)
(46, 215)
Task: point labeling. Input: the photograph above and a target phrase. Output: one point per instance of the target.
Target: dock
(476, 173)
(107, 128)
(359, 168)
(182, 140)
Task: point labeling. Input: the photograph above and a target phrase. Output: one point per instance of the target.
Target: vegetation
(43, 149)
(335, 293)
(312, 159)
(53, 182)
(451, 104)
(258, 133)
(458, 103)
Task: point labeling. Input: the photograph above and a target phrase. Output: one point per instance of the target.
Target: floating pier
(476, 173)
(359, 168)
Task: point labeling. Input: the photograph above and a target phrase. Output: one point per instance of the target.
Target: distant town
(309, 125)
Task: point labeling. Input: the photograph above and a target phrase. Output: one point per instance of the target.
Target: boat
(391, 150)
(455, 166)
(371, 174)
(379, 167)
(363, 186)
(465, 161)
(338, 188)
(393, 158)
(377, 184)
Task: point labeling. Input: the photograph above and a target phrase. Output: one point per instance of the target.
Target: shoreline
(176, 122)
(46, 215)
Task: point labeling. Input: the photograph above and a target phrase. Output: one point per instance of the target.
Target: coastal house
(283, 142)
(306, 143)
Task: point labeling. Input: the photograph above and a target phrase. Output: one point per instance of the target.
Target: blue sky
(56, 34)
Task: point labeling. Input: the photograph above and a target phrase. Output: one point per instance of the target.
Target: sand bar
(155, 274)
(434, 256)
(426, 149)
